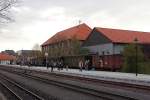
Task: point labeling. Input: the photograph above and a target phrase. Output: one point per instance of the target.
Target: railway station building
(105, 45)
(61, 44)
(108, 44)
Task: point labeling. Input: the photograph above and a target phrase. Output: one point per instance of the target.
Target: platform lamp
(20, 57)
(46, 60)
(136, 55)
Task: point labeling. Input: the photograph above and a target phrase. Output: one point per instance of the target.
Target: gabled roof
(4, 56)
(125, 36)
(79, 32)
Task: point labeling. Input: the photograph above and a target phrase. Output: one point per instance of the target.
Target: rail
(20, 92)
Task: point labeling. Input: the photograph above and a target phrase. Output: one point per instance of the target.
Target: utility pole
(46, 60)
(136, 55)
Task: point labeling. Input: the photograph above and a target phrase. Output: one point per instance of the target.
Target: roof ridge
(120, 29)
(124, 36)
(73, 27)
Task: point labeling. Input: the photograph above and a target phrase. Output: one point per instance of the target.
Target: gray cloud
(37, 20)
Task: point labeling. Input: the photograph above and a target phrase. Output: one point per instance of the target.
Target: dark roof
(27, 52)
(10, 52)
(79, 32)
(125, 36)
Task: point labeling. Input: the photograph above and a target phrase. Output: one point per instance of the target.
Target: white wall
(108, 49)
(4, 62)
(118, 48)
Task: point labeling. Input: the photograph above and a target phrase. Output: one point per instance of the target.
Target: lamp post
(28, 61)
(19, 57)
(46, 55)
(136, 55)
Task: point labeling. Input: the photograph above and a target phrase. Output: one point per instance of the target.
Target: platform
(141, 79)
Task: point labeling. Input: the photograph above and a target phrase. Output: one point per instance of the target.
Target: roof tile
(80, 32)
(4, 56)
(125, 36)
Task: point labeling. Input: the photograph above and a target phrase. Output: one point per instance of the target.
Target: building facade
(25, 56)
(7, 59)
(109, 44)
(105, 45)
(65, 43)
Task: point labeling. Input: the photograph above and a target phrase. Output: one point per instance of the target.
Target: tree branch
(5, 5)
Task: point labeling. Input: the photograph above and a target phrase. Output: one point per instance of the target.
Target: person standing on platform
(61, 64)
(87, 64)
(52, 65)
(80, 65)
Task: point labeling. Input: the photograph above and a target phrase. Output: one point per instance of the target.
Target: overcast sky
(38, 20)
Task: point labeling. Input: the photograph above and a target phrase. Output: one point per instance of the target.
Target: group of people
(59, 64)
(55, 63)
(84, 64)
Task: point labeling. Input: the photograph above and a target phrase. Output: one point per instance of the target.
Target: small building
(62, 43)
(24, 56)
(10, 52)
(7, 59)
(108, 44)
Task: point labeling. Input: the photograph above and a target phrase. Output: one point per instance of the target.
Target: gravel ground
(51, 90)
(64, 94)
(134, 93)
(2, 97)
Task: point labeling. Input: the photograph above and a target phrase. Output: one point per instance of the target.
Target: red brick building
(61, 44)
(6, 59)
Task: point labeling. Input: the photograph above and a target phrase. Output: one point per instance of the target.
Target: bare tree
(36, 47)
(5, 5)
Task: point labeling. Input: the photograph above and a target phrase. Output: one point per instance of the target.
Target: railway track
(16, 91)
(78, 88)
(85, 90)
(122, 85)
(9, 94)
(93, 80)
